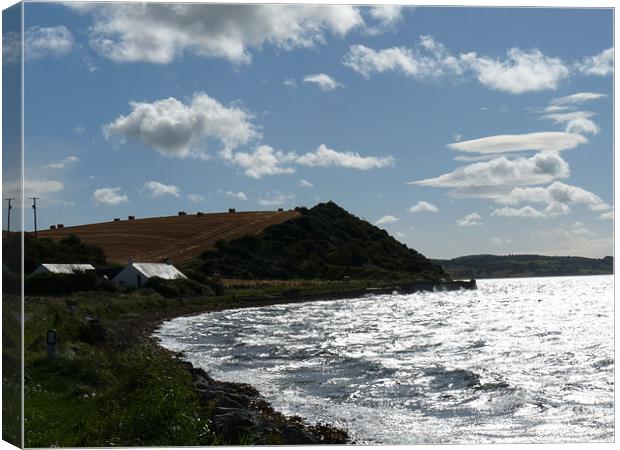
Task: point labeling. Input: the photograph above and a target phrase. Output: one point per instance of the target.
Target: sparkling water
(517, 360)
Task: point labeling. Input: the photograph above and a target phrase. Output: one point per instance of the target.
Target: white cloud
(160, 33)
(275, 198)
(520, 72)
(196, 198)
(500, 241)
(423, 206)
(290, 83)
(557, 209)
(267, 161)
(109, 196)
(526, 211)
(326, 157)
(609, 215)
(78, 129)
(601, 64)
(579, 229)
(562, 111)
(323, 81)
(575, 240)
(386, 220)
(541, 168)
(388, 16)
(237, 195)
(263, 161)
(176, 129)
(11, 48)
(41, 187)
(41, 42)
(430, 60)
(158, 189)
(469, 220)
(63, 163)
(557, 196)
(576, 99)
(467, 158)
(456, 137)
(542, 141)
(306, 184)
(575, 121)
(555, 108)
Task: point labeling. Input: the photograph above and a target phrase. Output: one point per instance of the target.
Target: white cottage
(62, 268)
(137, 274)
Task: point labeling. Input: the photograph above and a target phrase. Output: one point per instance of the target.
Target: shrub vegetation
(324, 242)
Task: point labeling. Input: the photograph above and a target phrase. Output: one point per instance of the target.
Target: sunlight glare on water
(517, 360)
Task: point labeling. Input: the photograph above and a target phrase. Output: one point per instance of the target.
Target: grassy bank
(123, 389)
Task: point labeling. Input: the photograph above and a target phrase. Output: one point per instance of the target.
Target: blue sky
(458, 130)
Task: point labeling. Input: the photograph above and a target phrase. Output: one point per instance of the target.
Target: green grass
(94, 398)
(124, 392)
(11, 369)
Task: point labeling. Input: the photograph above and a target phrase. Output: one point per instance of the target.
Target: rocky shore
(240, 413)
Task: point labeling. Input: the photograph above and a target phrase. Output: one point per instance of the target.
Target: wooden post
(51, 344)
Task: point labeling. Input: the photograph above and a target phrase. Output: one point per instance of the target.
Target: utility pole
(8, 222)
(34, 209)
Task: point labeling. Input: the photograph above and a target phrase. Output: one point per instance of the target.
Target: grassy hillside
(323, 242)
(493, 266)
(179, 238)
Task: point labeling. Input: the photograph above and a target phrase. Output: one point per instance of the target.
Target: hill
(493, 266)
(179, 238)
(322, 242)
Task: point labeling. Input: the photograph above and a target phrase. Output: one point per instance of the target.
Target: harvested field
(176, 237)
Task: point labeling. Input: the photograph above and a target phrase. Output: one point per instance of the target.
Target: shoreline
(239, 408)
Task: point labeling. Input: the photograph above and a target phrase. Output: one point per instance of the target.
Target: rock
(295, 435)
(330, 434)
(240, 413)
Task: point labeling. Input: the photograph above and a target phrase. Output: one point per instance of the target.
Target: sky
(458, 130)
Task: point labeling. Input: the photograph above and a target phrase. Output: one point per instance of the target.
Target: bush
(214, 283)
(58, 284)
(178, 288)
(11, 283)
(63, 284)
(69, 250)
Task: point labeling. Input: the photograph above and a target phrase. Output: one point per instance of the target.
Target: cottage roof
(161, 270)
(67, 268)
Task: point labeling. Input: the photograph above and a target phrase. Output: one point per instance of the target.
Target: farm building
(137, 274)
(62, 268)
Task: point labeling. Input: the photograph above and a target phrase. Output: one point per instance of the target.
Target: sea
(527, 360)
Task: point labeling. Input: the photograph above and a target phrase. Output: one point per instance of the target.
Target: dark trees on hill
(69, 250)
(324, 242)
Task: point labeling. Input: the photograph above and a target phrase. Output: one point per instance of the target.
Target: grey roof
(65, 268)
(161, 270)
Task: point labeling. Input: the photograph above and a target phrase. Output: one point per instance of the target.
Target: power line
(34, 209)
